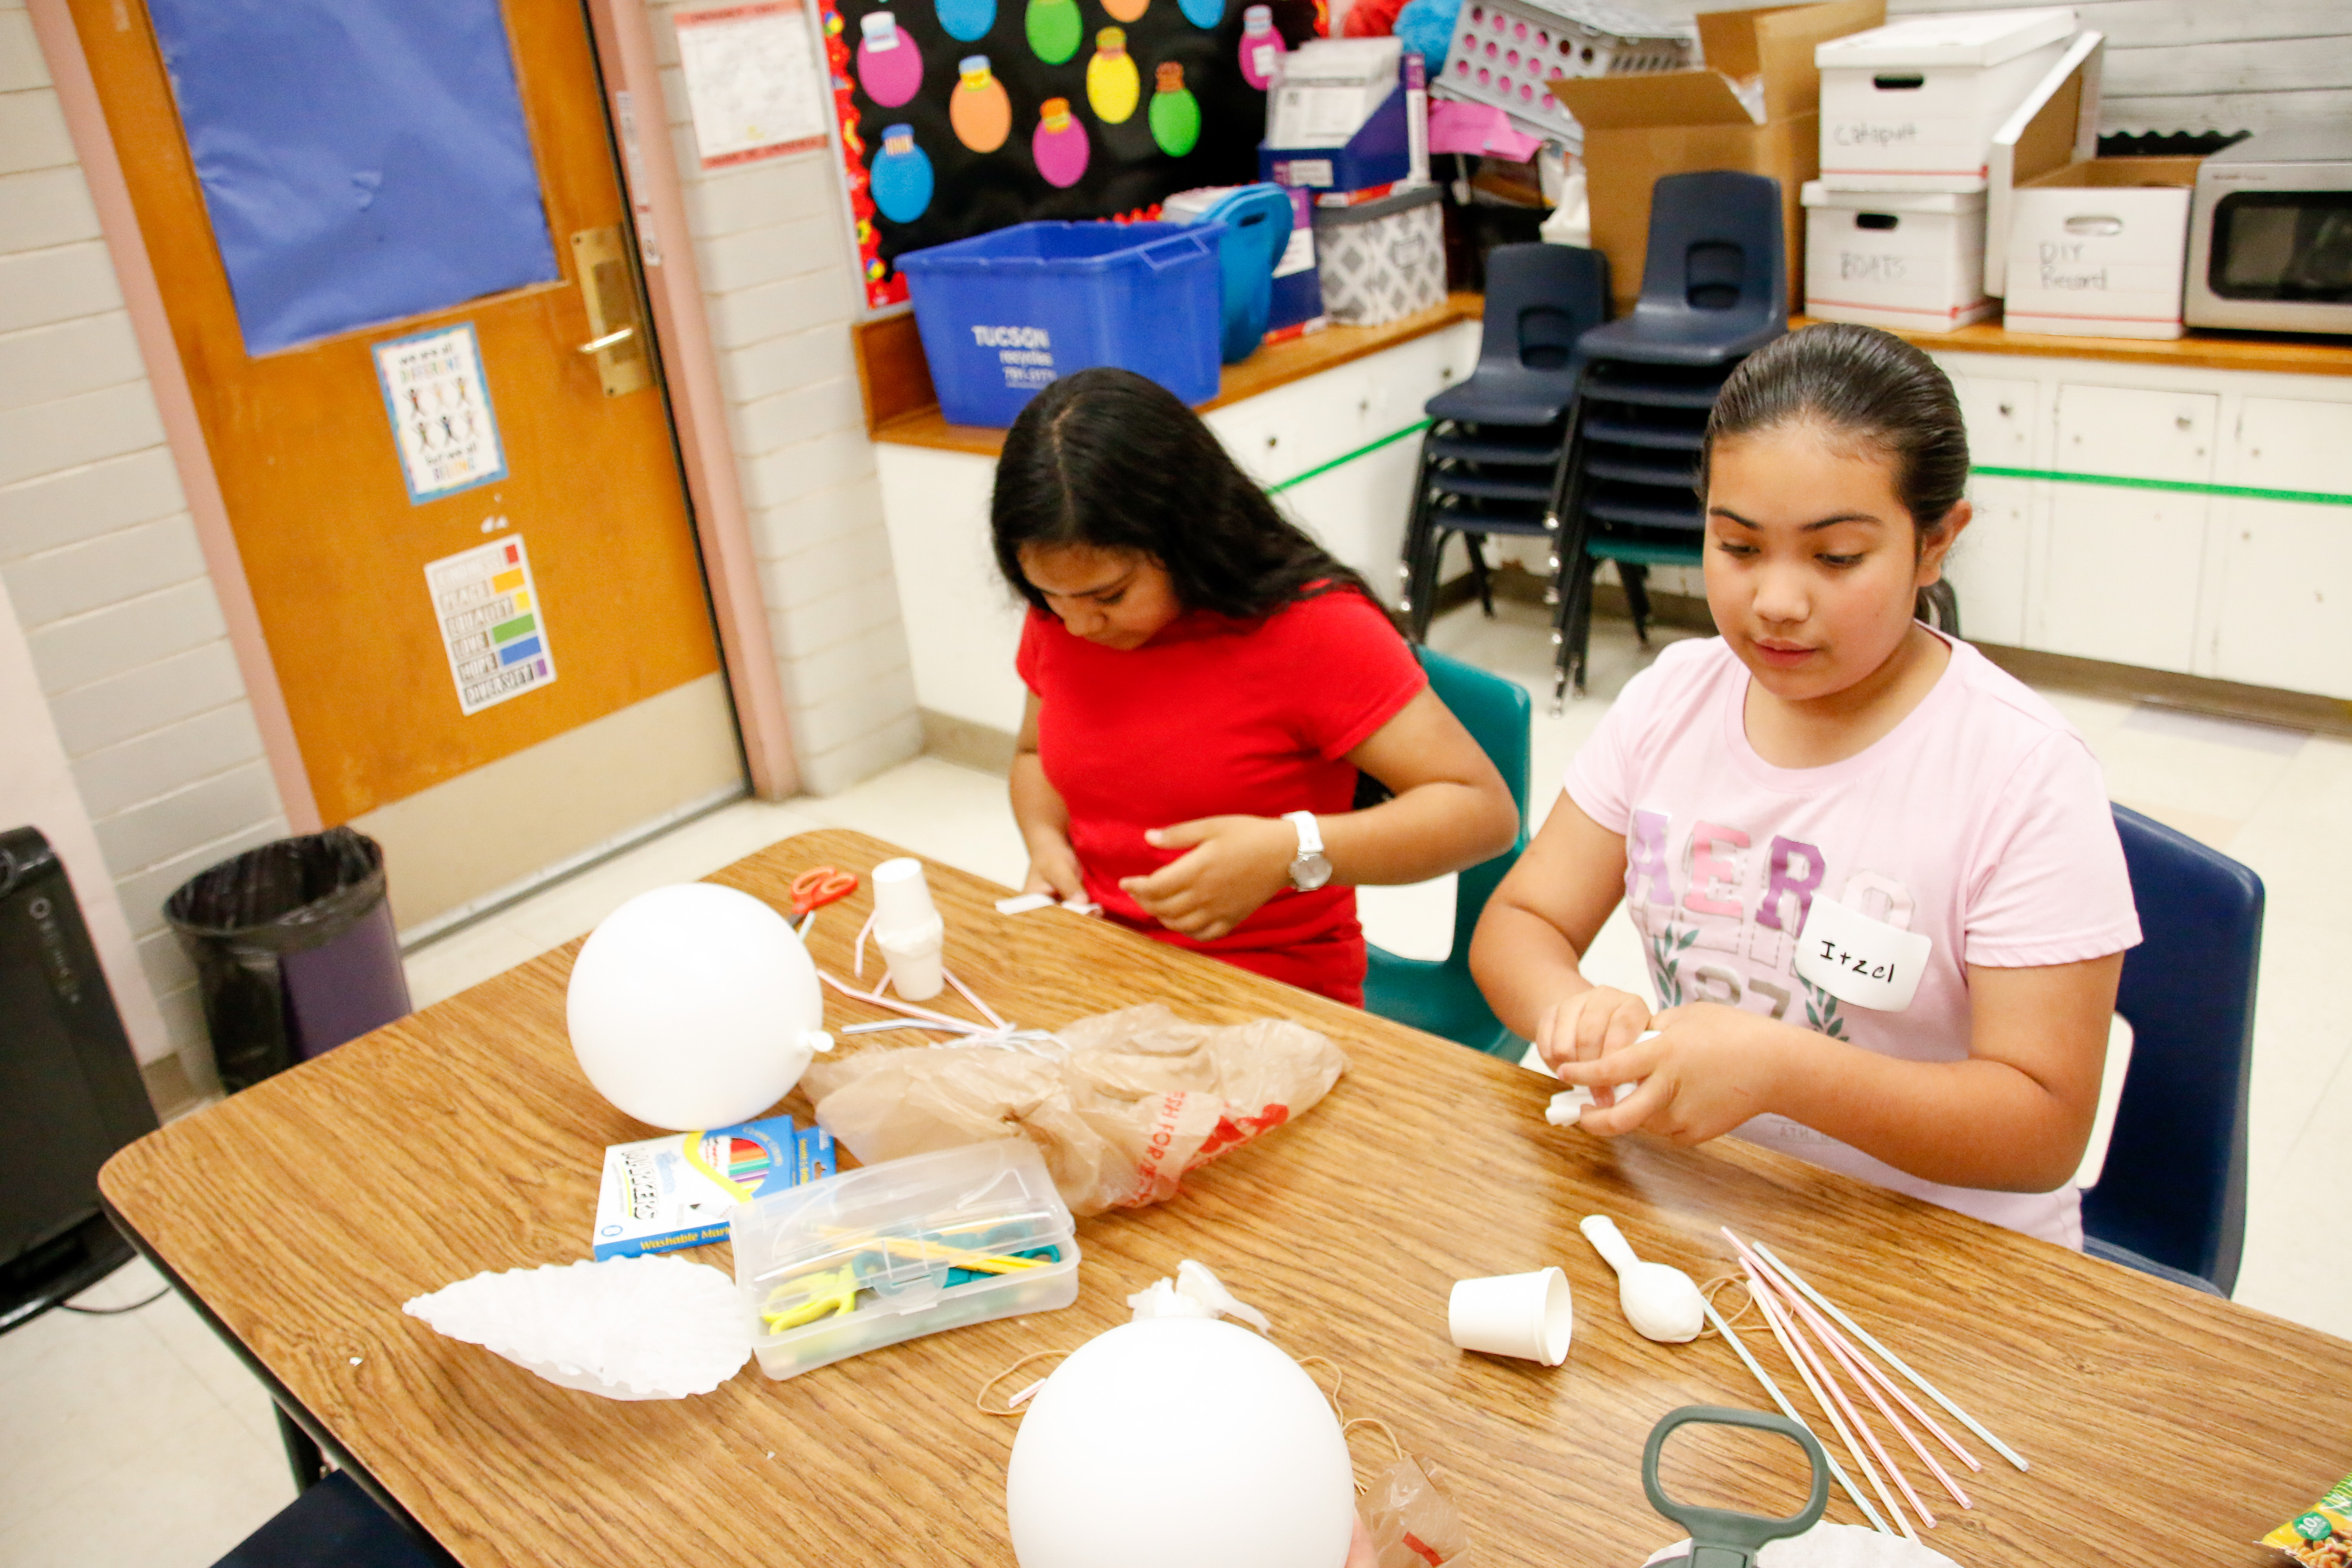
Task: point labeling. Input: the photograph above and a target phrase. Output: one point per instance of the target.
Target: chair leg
(1636, 580)
(1475, 544)
(1419, 543)
(302, 1456)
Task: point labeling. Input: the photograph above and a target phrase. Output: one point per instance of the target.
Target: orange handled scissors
(819, 886)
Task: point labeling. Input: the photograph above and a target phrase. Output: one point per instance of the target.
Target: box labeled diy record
(1896, 259)
(2100, 248)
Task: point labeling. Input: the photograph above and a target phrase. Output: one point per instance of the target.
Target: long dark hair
(1868, 385)
(1109, 459)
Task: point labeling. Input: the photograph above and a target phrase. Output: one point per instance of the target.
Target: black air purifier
(70, 1094)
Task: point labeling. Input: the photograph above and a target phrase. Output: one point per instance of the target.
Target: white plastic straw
(1891, 1359)
(1783, 1332)
(986, 1011)
(1837, 1471)
(1862, 1372)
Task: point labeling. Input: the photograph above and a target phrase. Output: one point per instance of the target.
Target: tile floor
(138, 1439)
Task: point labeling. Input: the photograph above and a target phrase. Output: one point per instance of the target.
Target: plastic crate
(1504, 53)
(1002, 314)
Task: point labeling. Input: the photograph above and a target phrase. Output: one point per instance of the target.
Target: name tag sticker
(1860, 959)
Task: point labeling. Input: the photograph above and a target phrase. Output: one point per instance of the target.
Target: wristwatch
(1311, 871)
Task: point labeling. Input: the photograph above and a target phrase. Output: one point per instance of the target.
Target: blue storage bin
(1002, 314)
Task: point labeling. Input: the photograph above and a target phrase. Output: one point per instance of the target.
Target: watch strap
(1311, 835)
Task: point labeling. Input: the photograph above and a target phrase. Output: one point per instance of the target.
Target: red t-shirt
(1217, 717)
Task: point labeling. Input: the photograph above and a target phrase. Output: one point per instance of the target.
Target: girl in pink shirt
(1876, 878)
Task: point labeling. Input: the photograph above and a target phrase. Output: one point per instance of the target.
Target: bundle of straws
(996, 1032)
(1791, 1308)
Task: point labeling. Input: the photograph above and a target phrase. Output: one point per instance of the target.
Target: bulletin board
(933, 154)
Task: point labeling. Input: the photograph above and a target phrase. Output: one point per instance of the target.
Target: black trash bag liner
(240, 918)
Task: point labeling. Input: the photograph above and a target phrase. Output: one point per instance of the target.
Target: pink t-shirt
(1981, 821)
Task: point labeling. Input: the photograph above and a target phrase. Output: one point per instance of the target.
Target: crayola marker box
(675, 1190)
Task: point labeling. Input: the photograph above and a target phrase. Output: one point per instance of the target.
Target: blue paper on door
(363, 161)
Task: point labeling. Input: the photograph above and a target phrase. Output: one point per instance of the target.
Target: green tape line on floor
(2185, 487)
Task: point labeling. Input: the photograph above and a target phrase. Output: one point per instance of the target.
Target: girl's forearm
(1427, 831)
(1523, 964)
(1971, 1123)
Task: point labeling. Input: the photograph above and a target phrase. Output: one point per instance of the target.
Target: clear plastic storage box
(907, 1247)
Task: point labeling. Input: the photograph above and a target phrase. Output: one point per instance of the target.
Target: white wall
(780, 284)
(99, 559)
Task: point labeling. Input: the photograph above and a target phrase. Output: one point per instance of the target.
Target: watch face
(1309, 872)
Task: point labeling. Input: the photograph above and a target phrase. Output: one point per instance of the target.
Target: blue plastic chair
(1541, 302)
(2171, 1199)
(1439, 996)
(334, 1524)
(1715, 279)
(1257, 220)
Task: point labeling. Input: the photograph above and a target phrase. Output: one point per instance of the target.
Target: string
(1339, 1381)
(1708, 1293)
(980, 1399)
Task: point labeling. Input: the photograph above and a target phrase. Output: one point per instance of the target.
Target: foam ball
(1172, 1442)
(694, 1006)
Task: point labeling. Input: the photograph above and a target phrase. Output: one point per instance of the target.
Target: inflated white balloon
(1172, 1442)
(695, 1006)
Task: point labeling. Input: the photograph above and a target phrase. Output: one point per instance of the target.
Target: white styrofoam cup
(1529, 1316)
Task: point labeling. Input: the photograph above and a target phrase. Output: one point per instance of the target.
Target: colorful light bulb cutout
(1203, 14)
(1262, 48)
(1059, 145)
(902, 175)
(1054, 29)
(1128, 11)
(967, 20)
(889, 66)
(1113, 88)
(1175, 114)
(978, 111)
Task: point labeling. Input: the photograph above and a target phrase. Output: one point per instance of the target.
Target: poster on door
(491, 623)
(440, 411)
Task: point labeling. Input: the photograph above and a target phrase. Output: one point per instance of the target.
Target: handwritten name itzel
(1839, 958)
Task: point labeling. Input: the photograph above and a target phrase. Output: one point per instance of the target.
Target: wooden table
(303, 1212)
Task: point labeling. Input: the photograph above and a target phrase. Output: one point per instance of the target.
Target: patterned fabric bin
(1381, 260)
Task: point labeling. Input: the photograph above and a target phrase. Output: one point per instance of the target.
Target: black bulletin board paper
(1126, 173)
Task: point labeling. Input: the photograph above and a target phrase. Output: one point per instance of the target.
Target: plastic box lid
(1402, 200)
(1814, 194)
(1050, 245)
(1963, 38)
(910, 1233)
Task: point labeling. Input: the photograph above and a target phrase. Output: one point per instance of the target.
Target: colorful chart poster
(440, 409)
(752, 81)
(490, 620)
(962, 116)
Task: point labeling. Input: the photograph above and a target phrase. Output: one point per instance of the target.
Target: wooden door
(493, 679)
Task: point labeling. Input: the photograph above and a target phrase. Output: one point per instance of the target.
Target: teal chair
(1440, 996)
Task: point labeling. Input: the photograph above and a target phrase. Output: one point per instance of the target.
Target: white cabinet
(2000, 415)
(2139, 433)
(2293, 444)
(2118, 576)
(2283, 612)
(1990, 566)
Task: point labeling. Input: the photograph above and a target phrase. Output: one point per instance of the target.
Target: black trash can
(294, 950)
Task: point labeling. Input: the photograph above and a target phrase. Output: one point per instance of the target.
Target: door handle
(606, 271)
(595, 345)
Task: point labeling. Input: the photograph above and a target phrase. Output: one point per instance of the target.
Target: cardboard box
(2056, 125)
(2100, 249)
(1913, 106)
(1896, 259)
(1754, 110)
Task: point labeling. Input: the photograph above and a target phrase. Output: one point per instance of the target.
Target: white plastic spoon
(1662, 1302)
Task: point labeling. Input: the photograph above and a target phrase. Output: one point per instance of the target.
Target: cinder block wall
(780, 284)
(99, 557)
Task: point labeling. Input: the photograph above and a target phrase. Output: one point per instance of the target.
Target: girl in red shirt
(1206, 685)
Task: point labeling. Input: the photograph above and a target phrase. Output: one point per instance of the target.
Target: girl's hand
(1236, 864)
(1360, 1549)
(1710, 1069)
(1588, 1025)
(1053, 869)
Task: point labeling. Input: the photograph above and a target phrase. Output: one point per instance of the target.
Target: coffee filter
(627, 1328)
(1828, 1545)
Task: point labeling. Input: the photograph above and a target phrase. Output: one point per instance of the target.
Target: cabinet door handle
(2007, 410)
(595, 345)
(2185, 422)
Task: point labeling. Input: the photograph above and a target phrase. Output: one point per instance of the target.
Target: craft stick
(1861, 1365)
(1804, 1370)
(1891, 1359)
(1861, 1371)
(986, 1011)
(1837, 1471)
(1828, 1380)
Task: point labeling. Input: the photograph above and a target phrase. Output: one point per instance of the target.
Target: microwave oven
(2270, 234)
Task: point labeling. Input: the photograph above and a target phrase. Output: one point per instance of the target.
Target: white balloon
(1171, 1442)
(694, 1006)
